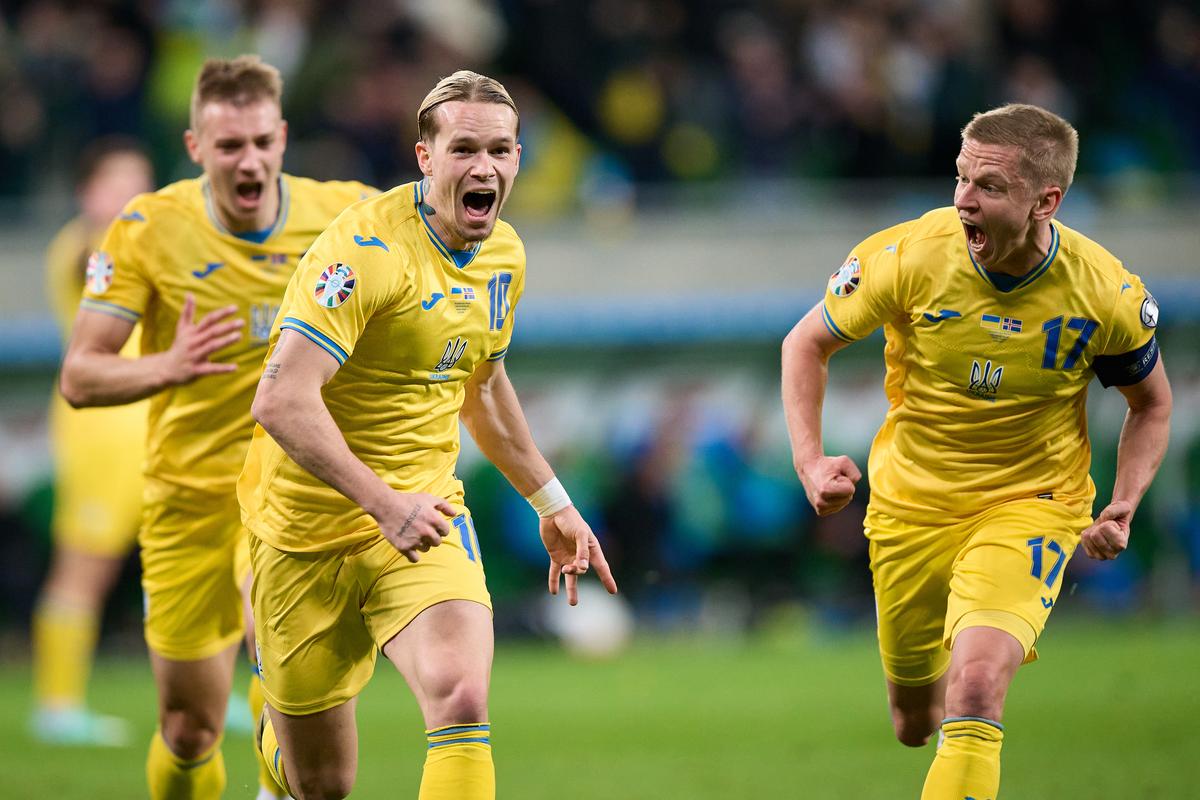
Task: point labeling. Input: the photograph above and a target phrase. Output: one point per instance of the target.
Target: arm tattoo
(408, 522)
(272, 371)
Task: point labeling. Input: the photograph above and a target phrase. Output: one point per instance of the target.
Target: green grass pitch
(1111, 711)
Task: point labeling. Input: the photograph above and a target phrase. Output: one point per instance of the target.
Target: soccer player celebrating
(202, 265)
(996, 318)
(97, 475)
(395, 325)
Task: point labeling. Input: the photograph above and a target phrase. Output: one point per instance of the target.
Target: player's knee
(977, 689)
(327, 782)
(914, 727)
(461, 700)
(189, 735)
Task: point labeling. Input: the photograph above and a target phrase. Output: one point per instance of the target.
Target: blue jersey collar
(1010, 283)
(255, 237)
(459, 258)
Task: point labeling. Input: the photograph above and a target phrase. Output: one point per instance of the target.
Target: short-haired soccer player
(996, 318)
(395, 326)
(202, 264)
(97, 474)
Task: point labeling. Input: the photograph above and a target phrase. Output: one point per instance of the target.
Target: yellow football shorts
(321, 618)
(194, 559)
(98, 454)
(999, 569)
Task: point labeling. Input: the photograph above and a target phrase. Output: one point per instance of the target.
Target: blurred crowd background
(616, 90)
(659, 406)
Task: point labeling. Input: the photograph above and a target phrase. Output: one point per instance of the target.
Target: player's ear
(424, 158)
(192, 142)
(283, 129)
(1048, 201)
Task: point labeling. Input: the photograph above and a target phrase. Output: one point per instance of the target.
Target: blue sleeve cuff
(316, 337)
(112, 309)
(833, 327)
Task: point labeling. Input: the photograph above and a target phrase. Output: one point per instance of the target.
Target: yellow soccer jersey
(169, 243)
(987, 378)
(409, 321)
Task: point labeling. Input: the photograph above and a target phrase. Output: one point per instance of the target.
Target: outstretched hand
(829, 482)
(573, 549)
(187, 358)
(1108, 536)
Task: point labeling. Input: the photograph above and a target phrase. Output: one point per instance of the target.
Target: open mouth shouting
(249, 193)
(977, 238)
(477, 204)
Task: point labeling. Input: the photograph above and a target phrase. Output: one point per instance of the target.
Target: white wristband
(550, 499)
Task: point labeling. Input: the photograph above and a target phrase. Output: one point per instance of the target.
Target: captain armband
(1129, 368)
(550, 499)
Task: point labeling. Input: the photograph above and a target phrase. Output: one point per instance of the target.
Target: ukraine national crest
(985, 380)
(454, 351)
(335, 285)
(99, 272)
(843, 282)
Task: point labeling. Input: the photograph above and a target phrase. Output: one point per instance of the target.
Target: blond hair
(241, 81)
(1048, 145)
(464, 86)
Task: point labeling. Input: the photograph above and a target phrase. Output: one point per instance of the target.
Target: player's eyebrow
(469, 139)
(987, 175)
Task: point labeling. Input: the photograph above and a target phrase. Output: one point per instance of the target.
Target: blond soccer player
(395, 327)
(202, 265)
(997, 317)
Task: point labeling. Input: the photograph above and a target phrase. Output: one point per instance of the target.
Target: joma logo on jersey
(985, 380)
(454, 351)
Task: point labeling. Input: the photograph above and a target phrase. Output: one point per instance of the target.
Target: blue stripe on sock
(459, 729)
(480, 740)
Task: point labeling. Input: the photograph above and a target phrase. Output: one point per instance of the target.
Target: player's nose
(964, 197)
(483, 166)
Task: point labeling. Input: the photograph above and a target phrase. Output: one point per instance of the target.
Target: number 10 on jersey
(498, 306)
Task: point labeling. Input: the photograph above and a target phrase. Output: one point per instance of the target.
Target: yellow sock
(173, 778)
(458, 764)
(269, 757)
(64, 642)
(967, 764)
(266, 779)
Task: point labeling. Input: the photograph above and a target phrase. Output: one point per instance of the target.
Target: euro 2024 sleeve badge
(843, 282)
(99, 274)
(336, 284)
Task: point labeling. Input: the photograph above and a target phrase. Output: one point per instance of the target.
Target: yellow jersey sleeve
(116, 280)
(1134, 318)
(864, 293)
(339, 286)
(1130, 350)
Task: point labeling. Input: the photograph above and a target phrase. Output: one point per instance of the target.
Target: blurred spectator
(658, 91)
